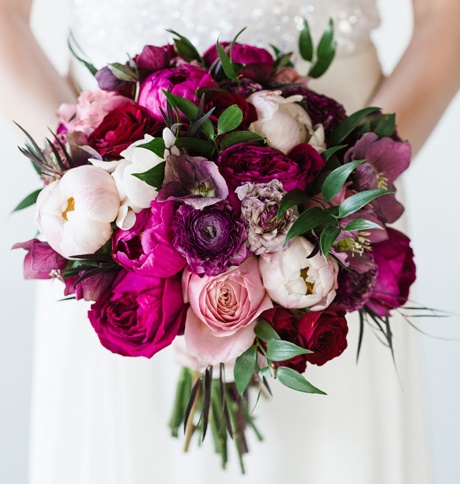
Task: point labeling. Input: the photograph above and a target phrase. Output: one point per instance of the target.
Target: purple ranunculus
(385, 159)
(396, 273)
(182, 81)
(41, 261)
(140, 316)
(258, 63)
(211, 239)
(147, 247)
(193, 180)
(90, 288)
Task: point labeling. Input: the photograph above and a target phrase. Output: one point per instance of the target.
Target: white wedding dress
(99, 418)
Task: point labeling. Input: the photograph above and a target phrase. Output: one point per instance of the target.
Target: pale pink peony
(90, 110)
(75, 212)
(293, 281)
(223, 311)
(282, 121)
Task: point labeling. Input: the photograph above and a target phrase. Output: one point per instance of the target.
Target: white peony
(293, 281)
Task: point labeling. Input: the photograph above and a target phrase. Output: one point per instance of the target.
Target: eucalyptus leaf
(123, 73)
(28, 201)
(291, 199)
(335, 181)
(308, 220)
(156, 145)
(362, 224)
(279, 350)
(229, 120)
(347, 126)
(239, 137)
(306, 42)
(245, 366)
(153, 177)
(359, 200)
(386, 126)
(227, 65)
(294, 380)
(328, 237)
(265, 331)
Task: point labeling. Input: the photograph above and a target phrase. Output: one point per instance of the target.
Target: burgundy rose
(147, 247)
(41, 261)
(182, 81)
(140, 316)
(326, 334)
(258, 63)
(222, 100)
(121, 127)
(395, 260)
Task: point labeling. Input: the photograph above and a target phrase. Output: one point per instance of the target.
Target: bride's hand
(30, 87)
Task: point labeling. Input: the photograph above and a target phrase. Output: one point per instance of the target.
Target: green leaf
(308, 220)
(279, 350)
(328, 237)
(326, 41)
(156, 145)
(245, 366)
(265, 331)
(153, 177)
(291, 199)
(326, 155)
(320, 67)
(362, 224)
(325, 52)
(346, 127)
(71, 41)
(294, 380)
(239, 137)
(337, 178)
(196, 147)
(185, 48)
(306, 42)
(123, 73)
(229, 120)
(227, 64)
(28, 201)
(265, 372)
(358, 201)
(386, 126)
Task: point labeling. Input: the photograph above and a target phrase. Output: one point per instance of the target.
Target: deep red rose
(326, 334)
(309, 159)
(397, 272)
(121, 127)
(258, 63)
(222, 100)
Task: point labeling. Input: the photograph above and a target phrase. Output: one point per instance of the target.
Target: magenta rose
(258, 63)
(182, 81)
(246, 163)
(223, 311)
(326, 334)
(140, 316)
(121, 128)
(395, 260)
(147, 247)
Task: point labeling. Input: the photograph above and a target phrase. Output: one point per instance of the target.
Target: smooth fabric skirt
(99, 418)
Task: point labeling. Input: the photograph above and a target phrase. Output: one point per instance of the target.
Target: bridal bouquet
(216, 203)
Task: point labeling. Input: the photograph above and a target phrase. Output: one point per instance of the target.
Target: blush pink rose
(223, 311)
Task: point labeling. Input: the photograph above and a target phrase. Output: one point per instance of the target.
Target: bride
(100, 418)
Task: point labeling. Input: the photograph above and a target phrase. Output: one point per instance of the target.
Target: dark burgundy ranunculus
(222, 100)
(395, 260)
(146, 248)
(258, 63)
(321, 109)
(141, 315)
(41, 261)
(287, 326)
(121, 127)
(243, 163)
(326, 334)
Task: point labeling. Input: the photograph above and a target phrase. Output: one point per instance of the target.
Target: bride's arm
(428, 75)
(30, 87)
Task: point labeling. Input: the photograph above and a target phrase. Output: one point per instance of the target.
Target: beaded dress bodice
(108, 29)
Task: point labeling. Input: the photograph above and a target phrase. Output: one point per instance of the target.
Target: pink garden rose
(223, 311)
(182, 81)
(140, 316)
